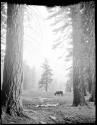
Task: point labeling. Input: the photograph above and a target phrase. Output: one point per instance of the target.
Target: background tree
(46, 77)
(68, 87)
(13, 69)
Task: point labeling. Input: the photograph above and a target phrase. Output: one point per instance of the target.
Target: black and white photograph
(48, 62)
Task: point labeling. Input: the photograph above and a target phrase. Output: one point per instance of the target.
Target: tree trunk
(46, 87)
(92, 97)
(90, 85)
(78, 98)
(46, 84)
(78, 93)
(84, 88)
(89, 80)
(13, 63)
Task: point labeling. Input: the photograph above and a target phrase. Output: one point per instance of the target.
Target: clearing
(45, 108)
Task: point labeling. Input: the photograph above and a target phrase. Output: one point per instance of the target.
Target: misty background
(38, 42)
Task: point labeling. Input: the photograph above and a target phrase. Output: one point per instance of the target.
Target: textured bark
(13, 69)
(78, 98)
(92, 98)
(84, 90)
(89, 80)
(93, 94)
(46, 88)
(84, 87)
(78, 91)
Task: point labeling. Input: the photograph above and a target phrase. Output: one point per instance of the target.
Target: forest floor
(50, 109)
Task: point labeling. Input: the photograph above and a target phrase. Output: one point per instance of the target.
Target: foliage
(62, 28)
(3, 29)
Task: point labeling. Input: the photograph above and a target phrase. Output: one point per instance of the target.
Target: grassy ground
(47, 108)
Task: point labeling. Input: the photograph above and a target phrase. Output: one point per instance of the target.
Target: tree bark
(78, 93)
(46, 81)
(89, 80)
(92, 97)
(84, 87)
(78, 98)
(93, 94)
(13, 63)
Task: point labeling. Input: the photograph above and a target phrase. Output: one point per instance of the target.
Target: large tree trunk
(89, 80)
(92, 52)
(13, 65)
(84, 88)
(78, 92)
(78, 98)
(92, 97)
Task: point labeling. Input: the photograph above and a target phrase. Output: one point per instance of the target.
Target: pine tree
(46, 77)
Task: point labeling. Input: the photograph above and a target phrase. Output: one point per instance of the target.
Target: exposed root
(21, 113)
